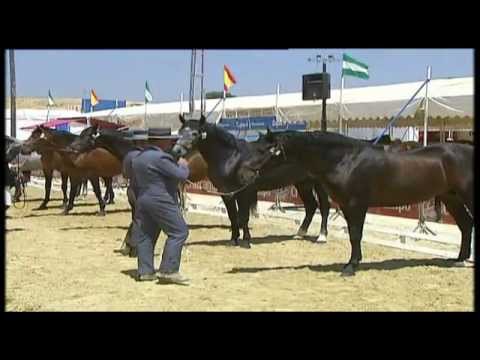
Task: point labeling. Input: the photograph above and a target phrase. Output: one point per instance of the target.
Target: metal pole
(192, 82)
(13, 96)
(202, 91)
(425, 118)
(324, 103)
(276, 102)
(422, 227)
(400, 112)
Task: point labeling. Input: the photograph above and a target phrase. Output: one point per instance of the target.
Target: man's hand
(183, 162)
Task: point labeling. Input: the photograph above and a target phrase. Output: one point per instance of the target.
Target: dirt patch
(68, 263)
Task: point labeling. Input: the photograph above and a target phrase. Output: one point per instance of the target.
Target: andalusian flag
(148, 94)
(353, 67)
(94, 98)
(50, 99)
(228, 78)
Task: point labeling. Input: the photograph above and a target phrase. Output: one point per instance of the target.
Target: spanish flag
(94, 98)
(228, 78)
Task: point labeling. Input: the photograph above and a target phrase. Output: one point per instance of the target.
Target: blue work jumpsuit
(154, 177)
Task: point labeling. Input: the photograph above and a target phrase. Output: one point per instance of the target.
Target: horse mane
(223, 135)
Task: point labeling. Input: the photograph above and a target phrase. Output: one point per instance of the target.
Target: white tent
(28, 117)
(450, 98)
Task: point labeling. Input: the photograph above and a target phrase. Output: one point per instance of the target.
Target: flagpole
(224, 99)
(276, 101)
(340, 122)
(181, 102)
(145, 118)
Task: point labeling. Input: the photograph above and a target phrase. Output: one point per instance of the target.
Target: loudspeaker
(316, 86)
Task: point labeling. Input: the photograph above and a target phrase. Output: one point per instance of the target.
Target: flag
(353, 67)
(148, 94)
(94, 98)
(228, 78)
(50, 99)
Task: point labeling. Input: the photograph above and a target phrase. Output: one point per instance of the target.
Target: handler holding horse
(154, 178)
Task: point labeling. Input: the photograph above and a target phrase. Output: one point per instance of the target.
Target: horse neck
(323, 150)
(119, 148)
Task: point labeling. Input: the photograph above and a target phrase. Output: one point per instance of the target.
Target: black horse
(358, 175)
(224, 153)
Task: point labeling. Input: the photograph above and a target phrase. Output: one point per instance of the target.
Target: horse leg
(48, 186)
(231, 206)
(464, 221)
(64, 188)
(245, 201)
(305, 192)
(74, 185)
(79, 189)
(96, 189)
(108, 199)
(18, 190)
(438, 209)
(355, 216)
(111, 192)
(324, 205)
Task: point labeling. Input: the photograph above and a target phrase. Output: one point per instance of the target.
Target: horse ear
(181, 118)
(202, 120)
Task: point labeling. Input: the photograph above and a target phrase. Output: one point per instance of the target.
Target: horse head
(29, 145)
(192, 132)
(264, 149)
(86, 141)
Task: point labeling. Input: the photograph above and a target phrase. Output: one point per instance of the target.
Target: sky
(121, 74)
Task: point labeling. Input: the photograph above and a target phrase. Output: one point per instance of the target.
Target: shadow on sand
(392, 264)
(255, 240)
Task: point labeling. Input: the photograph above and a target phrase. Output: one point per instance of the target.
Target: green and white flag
(148, 94)
(353, 67)
(50, 99)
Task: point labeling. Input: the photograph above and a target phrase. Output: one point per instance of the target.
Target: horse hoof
(233, 242)
(298, 237)
(42, 207)
(64, 212)
(348, 270)
(459, 264)
(111, 202)
(101, 213)
(322, 239)
(245, 245)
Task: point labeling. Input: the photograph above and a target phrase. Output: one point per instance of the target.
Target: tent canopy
(449, 98)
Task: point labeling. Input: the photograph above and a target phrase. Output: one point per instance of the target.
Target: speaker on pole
(316, 86)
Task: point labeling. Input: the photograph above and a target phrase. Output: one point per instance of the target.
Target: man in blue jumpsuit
(154, 177)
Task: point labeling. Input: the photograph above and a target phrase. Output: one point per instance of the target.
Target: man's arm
(169, 168)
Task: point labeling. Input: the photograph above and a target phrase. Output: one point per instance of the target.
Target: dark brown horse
(358, 175)
(49, 144)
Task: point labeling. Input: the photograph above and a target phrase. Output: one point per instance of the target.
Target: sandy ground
(69, 263)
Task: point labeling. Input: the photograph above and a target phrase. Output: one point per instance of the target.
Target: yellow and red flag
(228, 78)
(94, 98)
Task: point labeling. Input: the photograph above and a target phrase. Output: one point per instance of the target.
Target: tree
(217, 95)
